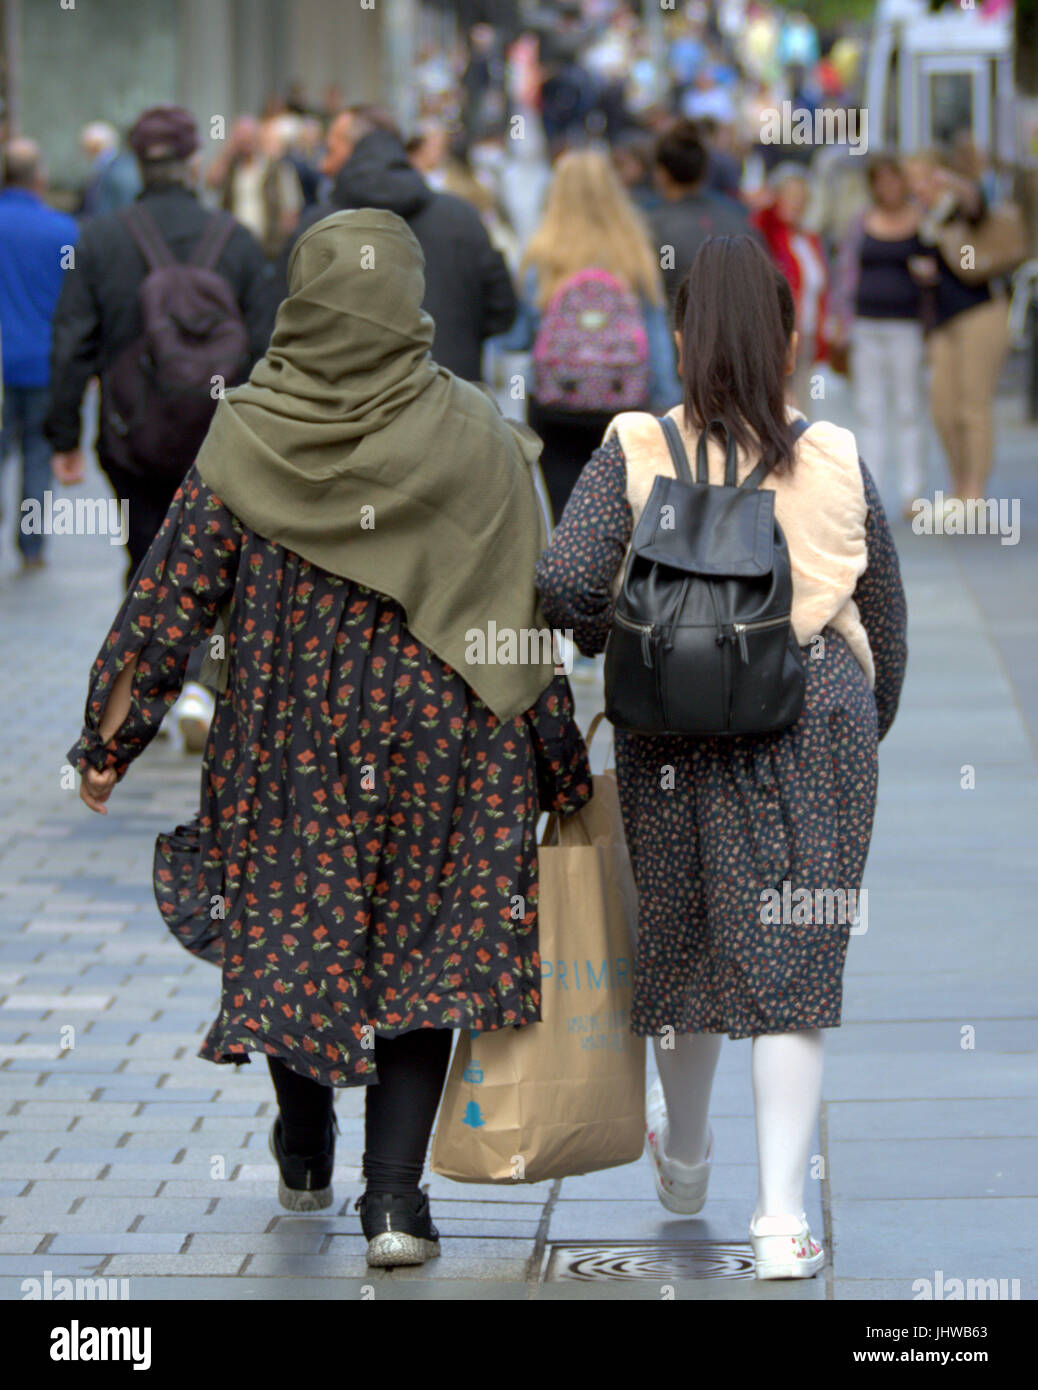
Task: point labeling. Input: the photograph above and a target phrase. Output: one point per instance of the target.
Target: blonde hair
(590, 222)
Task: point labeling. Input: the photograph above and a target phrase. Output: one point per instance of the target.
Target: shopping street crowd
(653, 256)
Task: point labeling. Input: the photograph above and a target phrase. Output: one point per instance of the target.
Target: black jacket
(98, 315)
(468, 290)
(687, 223)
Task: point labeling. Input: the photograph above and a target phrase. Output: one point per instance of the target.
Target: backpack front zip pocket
(739, 631)
(647, 631)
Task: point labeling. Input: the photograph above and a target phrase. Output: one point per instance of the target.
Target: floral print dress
(369, 822)
(712, 823)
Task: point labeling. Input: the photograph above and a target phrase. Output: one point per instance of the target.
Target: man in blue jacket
(35, 247)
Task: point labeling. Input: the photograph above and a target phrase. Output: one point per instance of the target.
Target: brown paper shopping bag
(567, 1095)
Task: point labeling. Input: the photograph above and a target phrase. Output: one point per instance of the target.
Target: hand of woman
(96, 787)
(923, 269)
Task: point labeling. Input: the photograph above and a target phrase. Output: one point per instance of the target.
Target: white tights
(787, 1091)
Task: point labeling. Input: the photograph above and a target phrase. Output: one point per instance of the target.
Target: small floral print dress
(369, 822)
(737, 816)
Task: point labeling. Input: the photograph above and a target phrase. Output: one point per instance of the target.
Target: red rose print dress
(369, 821)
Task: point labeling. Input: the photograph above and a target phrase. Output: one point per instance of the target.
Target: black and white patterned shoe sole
(391, 1248)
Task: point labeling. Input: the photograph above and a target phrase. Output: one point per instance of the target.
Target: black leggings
(398, 1111)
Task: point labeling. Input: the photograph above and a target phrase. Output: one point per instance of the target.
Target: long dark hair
(735, 314)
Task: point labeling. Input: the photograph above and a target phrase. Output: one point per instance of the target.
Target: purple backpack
(591, 353)
(158, 397)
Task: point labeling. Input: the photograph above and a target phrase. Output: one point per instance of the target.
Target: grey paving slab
(461, 1258)
(989, 1167)
(35, 1266)
(965, 1238)
(179, 1288)
(120, 1243)
(173, 1264)
(291, 1240)
(875, 1290)
(925, 1076)
(932, 1119)
(20, 1242)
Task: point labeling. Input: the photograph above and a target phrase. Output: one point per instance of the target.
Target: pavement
(124, 1156)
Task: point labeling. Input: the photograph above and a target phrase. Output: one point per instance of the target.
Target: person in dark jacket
(468, 290)
(690, 212)
(98, 313)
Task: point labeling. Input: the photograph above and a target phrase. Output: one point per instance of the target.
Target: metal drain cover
(694, 1259)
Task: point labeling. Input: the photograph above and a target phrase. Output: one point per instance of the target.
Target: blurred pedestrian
(256, 183)
(483, 81)
(36, 243)
(876, 314)
(746, 817)
(114, 179)
(370, 796)
(468, 289)
(800, 256)
(569, 94)
(593, 310)
(723, 166)
(301, 137)
(969, 337)
(690, 212)
(100, 320)
(633, 157)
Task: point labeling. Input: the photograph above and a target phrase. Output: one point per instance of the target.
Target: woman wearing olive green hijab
(370, 787)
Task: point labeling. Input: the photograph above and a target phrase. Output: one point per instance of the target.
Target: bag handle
(215, 235)
(553, 827)
(677, 453)
(758, 475)
(593, 729)
(702, 470)
(146, 237)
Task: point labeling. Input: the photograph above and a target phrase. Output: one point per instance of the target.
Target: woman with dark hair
(876, 309)
(358, 517)
(720, 828)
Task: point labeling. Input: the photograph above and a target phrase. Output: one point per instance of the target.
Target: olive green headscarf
(349, 446)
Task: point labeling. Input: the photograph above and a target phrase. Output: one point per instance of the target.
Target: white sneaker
(784, 1249)
(681, 1187)
(193, 713)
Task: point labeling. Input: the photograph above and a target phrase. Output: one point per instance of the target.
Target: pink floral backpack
(591, 353)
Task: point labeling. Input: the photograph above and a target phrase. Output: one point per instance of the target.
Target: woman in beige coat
(721, 830)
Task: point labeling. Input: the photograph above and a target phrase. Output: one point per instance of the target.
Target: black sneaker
(399, 1229)
(305, 1180)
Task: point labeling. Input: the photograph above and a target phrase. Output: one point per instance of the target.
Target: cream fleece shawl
(820, 506)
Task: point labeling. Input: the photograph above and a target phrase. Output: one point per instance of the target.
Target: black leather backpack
(701, 642)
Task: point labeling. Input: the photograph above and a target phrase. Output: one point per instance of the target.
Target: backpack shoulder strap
(677, 449)
(758, 475)
(215, 235)
(146, 236)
